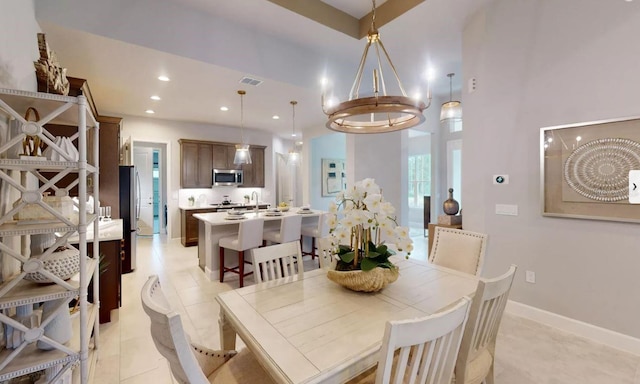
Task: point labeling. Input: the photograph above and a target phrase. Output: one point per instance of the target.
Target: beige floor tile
(138, 355)
(107, 370)
(159, 375)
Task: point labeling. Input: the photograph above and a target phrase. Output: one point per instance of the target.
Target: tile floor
(527, 352)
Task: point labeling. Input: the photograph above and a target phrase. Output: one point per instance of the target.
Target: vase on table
(451, 206)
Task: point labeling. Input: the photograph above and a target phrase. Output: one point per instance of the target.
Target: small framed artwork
(585, 168)
(333, 176)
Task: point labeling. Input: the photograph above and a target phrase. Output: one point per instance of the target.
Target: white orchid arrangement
(364, 221)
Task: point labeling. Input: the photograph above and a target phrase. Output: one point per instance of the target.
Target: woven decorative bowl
(64, 264)
(369, 281)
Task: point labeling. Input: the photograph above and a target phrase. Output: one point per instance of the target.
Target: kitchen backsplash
(207, 196)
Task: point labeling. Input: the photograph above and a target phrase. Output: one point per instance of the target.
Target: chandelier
(294, 155)
(242, 156)
(451, 111)
(379, 113)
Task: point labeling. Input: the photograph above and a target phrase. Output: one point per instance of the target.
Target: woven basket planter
(361, 281)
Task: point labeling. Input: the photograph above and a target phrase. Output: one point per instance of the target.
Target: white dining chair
(458, 249)
(289, 230)
(191, 363)
(314, 231)
(249, 236)
(477, 350)
(325, 253)
(421, 350)
(277, 261)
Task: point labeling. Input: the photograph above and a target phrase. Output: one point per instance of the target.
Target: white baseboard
(211, 275)
(588, 331)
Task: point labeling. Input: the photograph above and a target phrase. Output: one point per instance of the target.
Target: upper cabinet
(254, 173)
(196, 163)
(199, 158)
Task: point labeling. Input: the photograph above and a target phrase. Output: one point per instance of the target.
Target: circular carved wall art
(599, 169)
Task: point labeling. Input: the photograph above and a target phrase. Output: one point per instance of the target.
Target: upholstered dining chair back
(250, 234)
(428, 347)
(458, 249)
(325, 253)
(290, 228)
(277, 261)
(169, 336)
(477, 351)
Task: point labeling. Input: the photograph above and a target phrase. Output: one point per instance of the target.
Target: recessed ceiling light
(628, 1)
(275, 117)
(293, 135)
(299, 143)
(150, 111)
(224, 109)
(163, 78)
(155, 97)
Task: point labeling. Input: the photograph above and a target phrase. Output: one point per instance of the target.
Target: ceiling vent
(250, 81)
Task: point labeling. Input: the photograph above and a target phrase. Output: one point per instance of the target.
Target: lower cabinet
(189, 225)
(111, 253)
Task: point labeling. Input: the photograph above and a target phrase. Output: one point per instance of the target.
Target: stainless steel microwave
(227, 177)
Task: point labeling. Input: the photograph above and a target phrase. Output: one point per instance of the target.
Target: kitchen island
(214, 226)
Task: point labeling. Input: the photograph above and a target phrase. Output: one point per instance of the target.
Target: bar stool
(314, 231)
(289, 231)
(249, 236)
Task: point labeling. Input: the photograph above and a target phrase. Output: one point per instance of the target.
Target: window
(419, 179)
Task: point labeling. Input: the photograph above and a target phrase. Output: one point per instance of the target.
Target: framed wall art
(584, 169)
(334, 178)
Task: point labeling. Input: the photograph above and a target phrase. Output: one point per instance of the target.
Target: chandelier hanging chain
(450, 86)
(293, 125)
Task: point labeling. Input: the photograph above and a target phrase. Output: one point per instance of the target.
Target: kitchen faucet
(256, 197)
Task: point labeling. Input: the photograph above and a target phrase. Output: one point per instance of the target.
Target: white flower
(402, 232)
(369, 185)
(387, 209)
(373, 202)
(332, 220)
(333, 207)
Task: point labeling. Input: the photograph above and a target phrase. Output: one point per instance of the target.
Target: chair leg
(313, 248)
(221, 264)
(489, 378)
(241, 266)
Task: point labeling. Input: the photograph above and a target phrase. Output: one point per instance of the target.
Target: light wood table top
(312, 330)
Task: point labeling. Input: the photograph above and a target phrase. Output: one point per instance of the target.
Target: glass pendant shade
(242, 156)
(294, 155)
(451, 111)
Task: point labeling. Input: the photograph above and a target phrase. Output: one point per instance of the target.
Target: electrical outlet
(530, 277)
(471, 85)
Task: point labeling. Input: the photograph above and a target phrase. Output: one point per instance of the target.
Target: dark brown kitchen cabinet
(223, 156)
(196, 164)
(189, 225)
(199, 158)
(111, 253)
(254, 173)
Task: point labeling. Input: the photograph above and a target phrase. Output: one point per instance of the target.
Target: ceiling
(207, 46)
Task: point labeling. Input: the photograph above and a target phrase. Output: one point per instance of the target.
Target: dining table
(216, 225)
(311, 330)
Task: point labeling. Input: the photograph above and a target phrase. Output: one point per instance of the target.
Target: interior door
(143, 160)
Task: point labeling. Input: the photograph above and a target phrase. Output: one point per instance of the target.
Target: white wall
(330, 146)
(18, 45)
(540, 63)
(169, 132)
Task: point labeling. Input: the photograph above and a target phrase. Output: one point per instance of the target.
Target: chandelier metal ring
(344, 116)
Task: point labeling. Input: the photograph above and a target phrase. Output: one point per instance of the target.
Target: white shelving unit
(15, 291)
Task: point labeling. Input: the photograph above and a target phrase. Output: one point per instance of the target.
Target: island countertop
(222, 218)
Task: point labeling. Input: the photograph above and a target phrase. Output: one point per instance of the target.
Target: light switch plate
(500, 179)
(507, 209)
(634, 187)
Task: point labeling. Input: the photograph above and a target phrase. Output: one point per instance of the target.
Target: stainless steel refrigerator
(129, 211)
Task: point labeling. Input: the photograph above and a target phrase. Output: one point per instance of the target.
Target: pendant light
(242, 156)
(451, 111)
(380, 112)
(294, 155)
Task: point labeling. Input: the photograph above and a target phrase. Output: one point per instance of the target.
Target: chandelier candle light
(242, 156)
(379, 113)
(293, 154)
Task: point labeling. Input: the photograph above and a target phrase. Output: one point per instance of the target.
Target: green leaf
(347, 257)
(372, 255)
(342, 249)
(387, 265)
(382, 249)
(368, 264)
